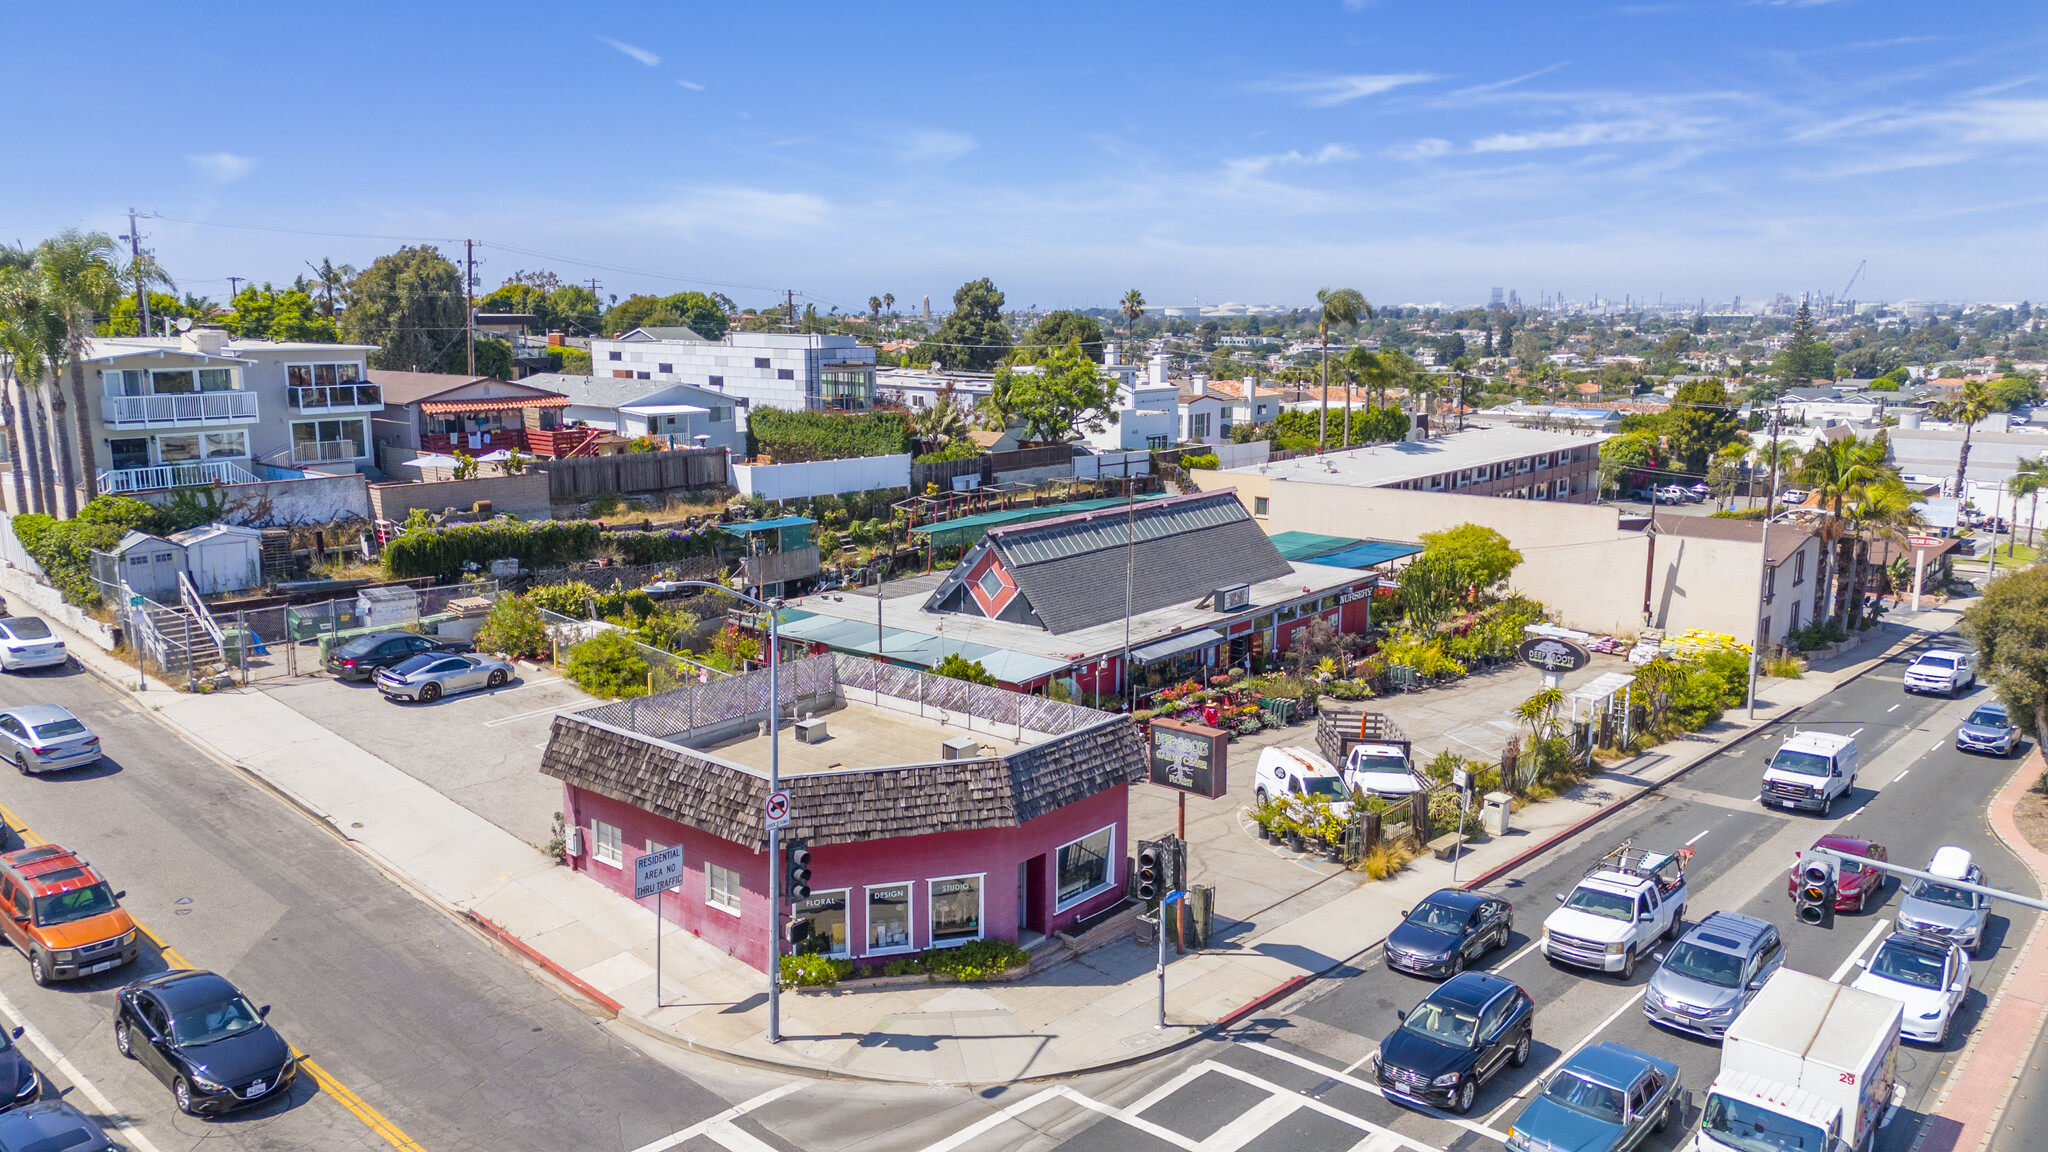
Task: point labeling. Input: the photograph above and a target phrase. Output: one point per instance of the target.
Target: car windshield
(1941, 894)
(1802, 763)
(1987, 718)
(1382, 764)
(1936, 663)
(1753, 1128)
(27, 628)
(59, 729)
(359, 646)
(1608, 904)
(1443, 1023)
(77, 904)
(1907, 966)
(1595, 1100)
(207, 1024)
(415, 664)
(1328, 786)
(1440, 917)
(1704, 964)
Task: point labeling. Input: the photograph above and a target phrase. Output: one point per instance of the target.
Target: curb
(533, 954)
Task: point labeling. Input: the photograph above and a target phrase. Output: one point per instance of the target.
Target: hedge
(534, 543)
(794, 437)
(660, 547)
(63, 548)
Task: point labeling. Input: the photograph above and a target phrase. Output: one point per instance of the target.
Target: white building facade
(796, 371)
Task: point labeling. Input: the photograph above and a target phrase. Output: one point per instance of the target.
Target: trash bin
(1493, 814)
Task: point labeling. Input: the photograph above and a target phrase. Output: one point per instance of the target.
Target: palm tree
(1884, 509)
(14, 264)
(1972, 403)
(81, 282)
(941, 424)
(2027, 480)
(1837, 470)
(31, 342)
(331, 278)
(889, 302)
(1132, 308)
(874, 307)
(1335, 306)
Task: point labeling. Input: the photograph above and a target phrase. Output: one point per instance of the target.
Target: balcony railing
(484, 442)
(349, 397)
(325, 451)
(203, 474)
(184, 409)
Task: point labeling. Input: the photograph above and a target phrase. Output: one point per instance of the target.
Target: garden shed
(221, 557)
(149, 565)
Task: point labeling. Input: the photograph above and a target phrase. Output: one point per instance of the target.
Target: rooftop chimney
(1159, 370)
(1198, 384)
(1110, 352)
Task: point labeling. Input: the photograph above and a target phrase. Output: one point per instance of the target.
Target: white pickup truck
(1618, 910)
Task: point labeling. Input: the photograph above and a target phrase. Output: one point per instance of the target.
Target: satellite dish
(184, 323)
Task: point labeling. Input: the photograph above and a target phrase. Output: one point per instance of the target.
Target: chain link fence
(666, 671)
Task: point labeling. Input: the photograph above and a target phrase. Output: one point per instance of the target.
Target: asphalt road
(1296, 1079)
(448, 1042)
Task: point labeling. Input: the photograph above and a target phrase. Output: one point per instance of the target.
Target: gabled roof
(673, 333)
(407, 388)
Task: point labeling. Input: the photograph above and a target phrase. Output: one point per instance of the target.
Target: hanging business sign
(1190, 758)
(1554, 655)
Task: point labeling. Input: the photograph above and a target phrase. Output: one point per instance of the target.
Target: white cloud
(1328, 153)
(222, 167)
(694, 87)
(933, 146)
(1427, 149)
(1330, 91)
(640, 54)
(1590, 133)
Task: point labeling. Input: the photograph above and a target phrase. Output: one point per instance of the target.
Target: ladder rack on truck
(1665, 869)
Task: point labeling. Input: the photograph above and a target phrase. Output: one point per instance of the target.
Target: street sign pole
(653, 874)
(1165, 902)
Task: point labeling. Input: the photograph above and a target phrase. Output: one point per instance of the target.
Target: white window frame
(1108, 873)
(616, 856)
(867, 930)
(717, 897)
(980, 909)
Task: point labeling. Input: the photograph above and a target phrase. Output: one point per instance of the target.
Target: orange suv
(62, 915)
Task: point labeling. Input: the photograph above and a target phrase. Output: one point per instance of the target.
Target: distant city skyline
(1427, 154)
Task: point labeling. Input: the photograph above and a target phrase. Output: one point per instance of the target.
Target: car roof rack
(1629, 860)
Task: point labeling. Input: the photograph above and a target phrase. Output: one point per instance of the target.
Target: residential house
(681, 415)
(1201, 414)
(441, 412)
(798, 371)
(1147, 407)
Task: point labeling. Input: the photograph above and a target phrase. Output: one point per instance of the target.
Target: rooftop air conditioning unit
(960, 748)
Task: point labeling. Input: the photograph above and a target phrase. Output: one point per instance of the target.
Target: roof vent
(811, 731)
(960, 748)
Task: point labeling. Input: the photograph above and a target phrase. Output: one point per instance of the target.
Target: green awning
(1305, 546)
(968, 529)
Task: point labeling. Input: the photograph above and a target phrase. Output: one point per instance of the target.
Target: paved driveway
(480, 749)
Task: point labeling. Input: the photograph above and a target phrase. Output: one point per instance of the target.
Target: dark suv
(360, 658)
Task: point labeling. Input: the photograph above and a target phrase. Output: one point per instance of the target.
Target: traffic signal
(1151, 870)
(797, 872)
(1813, 899)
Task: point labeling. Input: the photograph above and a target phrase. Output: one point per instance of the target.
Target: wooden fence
(684, 468)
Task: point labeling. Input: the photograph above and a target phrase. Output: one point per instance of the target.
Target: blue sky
(1250, 152)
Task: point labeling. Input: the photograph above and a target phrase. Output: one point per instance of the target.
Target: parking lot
(481, 749)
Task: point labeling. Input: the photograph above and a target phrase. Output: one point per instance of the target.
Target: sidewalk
(1095, 1010)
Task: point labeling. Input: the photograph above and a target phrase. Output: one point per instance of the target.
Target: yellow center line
(342, 1094)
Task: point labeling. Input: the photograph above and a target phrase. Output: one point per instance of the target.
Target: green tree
(80, 284)
(1476, 558)
(2009, 625)
(2013, 393)
(608, 665)
(1334, 306)
(1132, 309)
(1629, 458)
(958, 667)
(1054, 333)
(1700, 422)
(266, 313)
(331, 280)
(31, 347)
(973, 336)
(2028, 478)
(514, 628)
(1807, 356)
(1060, 395)
(410, 305)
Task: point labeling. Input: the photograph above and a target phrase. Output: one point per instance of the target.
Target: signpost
(778, 810)
(653, 874)
(1920, 546)
(1170, 898)
(135, 640)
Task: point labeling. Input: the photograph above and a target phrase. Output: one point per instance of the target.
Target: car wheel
(38, 968)
(183, 1092)
(1664, 1117)
(497, 679)
(1827, 808)
(1677, 922)
(1259, 795)
(1628, 964)
(21, 763)
(1941, 1037)
(1521, 1054)
(1461, 1100)
(122, 1040)
(1457, 964)
(429, 692)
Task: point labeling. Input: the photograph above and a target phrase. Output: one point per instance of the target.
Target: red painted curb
(554, 969)
(1258, 1002)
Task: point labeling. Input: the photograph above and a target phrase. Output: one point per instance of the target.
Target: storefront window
(1263, 622)
(820, 924)
(888, 917)
(1329, 602)
(1084, 866)
(956, 910)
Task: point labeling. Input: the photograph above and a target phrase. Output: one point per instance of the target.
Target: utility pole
(468, 303)
(134, 239)
(232, 281)
(1756, 639)
(789, 296)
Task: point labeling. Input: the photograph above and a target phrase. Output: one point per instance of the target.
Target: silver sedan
(46, 738)
(427, 678)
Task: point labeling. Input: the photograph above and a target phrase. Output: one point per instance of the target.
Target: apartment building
(1518, 463)
(792, 370)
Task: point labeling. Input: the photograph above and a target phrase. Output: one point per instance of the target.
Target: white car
(26, 642)
(46, 738)
(1793, 496)
(1930, 977)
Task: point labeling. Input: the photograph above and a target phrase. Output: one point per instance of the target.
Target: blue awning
(1175, 645)
(1368, 554)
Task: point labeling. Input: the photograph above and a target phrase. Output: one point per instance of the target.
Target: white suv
(1943, 670)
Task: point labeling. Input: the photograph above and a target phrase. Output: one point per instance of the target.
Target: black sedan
(360, 658)
(1448, 931)
(19, 1083)
(1458, 1038)
(204, 1040)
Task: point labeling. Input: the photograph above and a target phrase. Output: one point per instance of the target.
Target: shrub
(792, 437)
(958, 667)
(814, 970)
(535, 544)
(513, 627)
(906, 966)
(1386, 859)
(605, 504)
(609, 665)
(569, 598)
(1204, 460)
(1785, 668)
(64, 547)
(980, 960)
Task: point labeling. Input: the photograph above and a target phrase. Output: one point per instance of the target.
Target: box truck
(1809, 1064)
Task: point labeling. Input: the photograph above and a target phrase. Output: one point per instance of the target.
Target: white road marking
(1559, 1062)
(1893, 708)
(728, 1135)
(725, 1119)
(1690, 843)
(1856, 733)
(1936, 746)
(1869, 937)
(526, 715)
(1526, 949)
(63, 1064)
(1365, 1086)
(1901, 775)
(1360, 1062)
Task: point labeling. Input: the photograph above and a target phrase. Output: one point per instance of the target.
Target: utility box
(387, 607)
(811, 731)
(1494, 811)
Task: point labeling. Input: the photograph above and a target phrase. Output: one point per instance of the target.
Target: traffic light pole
(1931, 878)
(1166, 901)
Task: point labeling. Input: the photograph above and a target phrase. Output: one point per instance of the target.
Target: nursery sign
(1554, 655)
(1190, 758)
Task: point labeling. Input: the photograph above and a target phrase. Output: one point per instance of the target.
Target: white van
(1297, 774)
(1810, 771)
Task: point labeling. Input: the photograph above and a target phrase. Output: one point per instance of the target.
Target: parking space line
(526, 715)
(1868, 938)
(1496, 970)
(1365, 1086)
(1573, 1051)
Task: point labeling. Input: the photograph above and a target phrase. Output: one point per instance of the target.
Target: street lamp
(774, 610)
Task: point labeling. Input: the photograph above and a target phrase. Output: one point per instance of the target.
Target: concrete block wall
(524, 496)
